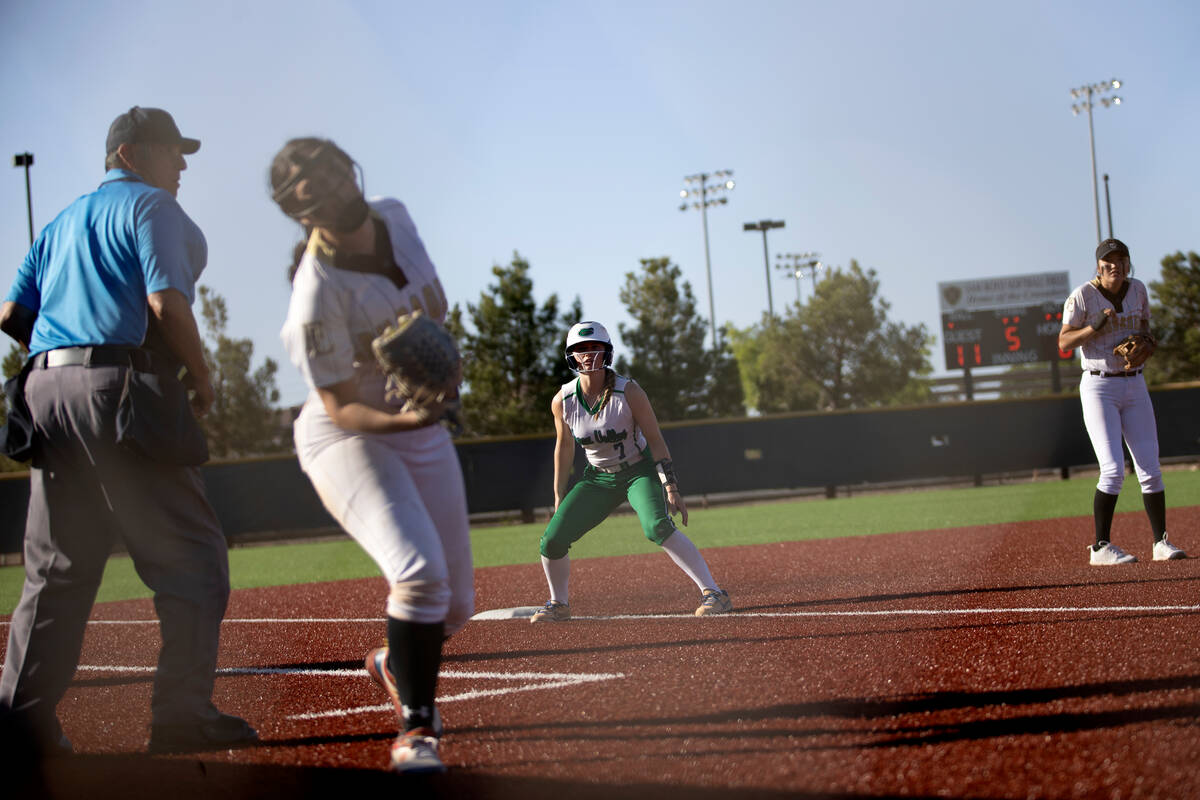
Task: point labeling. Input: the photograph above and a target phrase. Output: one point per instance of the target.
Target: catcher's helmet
(588, 331)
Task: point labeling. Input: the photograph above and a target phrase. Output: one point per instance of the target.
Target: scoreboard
(999, 338)
(1003, 321)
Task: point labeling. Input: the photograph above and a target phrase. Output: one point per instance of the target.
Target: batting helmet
(588, 331)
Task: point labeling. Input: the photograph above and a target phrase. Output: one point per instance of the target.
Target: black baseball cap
(148, 126)
(1110, 246)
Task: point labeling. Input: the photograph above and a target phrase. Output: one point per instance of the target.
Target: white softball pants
(401, 497)
(1120, 407)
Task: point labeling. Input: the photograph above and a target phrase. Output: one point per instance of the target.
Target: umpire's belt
(1129, 374)
(624, 465)
(96, 356)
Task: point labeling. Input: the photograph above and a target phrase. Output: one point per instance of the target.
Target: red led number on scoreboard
(962, 362)
(1014, 341)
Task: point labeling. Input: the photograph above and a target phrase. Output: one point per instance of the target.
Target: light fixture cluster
(762, 225)
(799, 262)
(708, 194)
(1085, 94)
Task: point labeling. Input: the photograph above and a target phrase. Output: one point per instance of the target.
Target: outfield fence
(269, 498)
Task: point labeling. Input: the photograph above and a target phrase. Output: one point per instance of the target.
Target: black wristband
(666, 473)
(1103, 321)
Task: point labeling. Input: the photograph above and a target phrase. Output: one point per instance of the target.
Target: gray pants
(85, 492)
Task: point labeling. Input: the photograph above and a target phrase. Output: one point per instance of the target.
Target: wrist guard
(666, 473)
(1099, 321)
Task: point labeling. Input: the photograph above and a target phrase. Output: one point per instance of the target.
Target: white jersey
(336, 311)
(610, 438)
(1131, 309)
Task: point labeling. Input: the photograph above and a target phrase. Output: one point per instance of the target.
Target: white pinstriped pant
(401, 497)
(1116, 408)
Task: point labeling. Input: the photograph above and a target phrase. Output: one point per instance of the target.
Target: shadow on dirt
(133, 777)
(964, 591)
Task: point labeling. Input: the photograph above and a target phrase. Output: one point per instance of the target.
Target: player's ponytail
(281, 172)
(297, 254)
(610, 383)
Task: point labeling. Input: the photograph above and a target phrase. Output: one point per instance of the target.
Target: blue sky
(931, 141)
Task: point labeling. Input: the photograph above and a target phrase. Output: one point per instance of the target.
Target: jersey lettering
(316, 341)
(604, 437)
(603, 433)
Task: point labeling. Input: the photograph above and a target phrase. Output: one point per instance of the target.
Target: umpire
(117, 262)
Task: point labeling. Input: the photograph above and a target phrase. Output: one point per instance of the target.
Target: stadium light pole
(699, 187)
(1085, 95)
(765, 225)
(1108, 205)
(26, 160)
(794, 264)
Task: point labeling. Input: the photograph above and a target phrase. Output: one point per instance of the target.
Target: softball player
(1097, 316)
(611, 417)
(392, 480)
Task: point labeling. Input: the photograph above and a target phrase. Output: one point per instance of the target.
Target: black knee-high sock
(1103, 506)
(1156, 510)
(414, 657)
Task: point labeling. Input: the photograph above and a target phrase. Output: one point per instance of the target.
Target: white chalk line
(518, 613)
(531, 681)
(538, 680)
(578, 677)
(900, 612)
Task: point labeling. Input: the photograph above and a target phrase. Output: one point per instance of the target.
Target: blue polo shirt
(88, 273)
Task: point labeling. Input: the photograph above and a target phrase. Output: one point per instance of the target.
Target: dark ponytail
(297, 254)
(292, 154)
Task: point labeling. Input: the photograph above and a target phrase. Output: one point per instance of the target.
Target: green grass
(761, 523)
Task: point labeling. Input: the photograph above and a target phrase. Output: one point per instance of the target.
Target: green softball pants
(597, 494)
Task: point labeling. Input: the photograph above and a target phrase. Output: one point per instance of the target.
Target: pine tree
(667, 356)
(512, 354)
(1175, 320)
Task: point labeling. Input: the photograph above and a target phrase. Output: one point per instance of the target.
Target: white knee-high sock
(684, 552)
(558, 573)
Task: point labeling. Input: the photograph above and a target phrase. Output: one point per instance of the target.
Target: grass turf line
(761, 523)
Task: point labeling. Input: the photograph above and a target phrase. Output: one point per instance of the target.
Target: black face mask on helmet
(330, 206)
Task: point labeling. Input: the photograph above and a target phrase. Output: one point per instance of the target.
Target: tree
(512, 354)
(667, 354)
(841, 351)
(1175, 318)
(746, 346)
(242, 420)
(11, 366)
(778, 385)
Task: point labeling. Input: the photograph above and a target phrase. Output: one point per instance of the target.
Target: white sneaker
(1109, 554)
(553, 611)
(416, 752)
(1165, 551)
(714, 601)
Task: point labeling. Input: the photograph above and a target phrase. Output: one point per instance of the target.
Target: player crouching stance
(386, 473)
(628, 459)
(1108, 319)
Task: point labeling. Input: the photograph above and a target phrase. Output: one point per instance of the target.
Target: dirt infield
(989, 662)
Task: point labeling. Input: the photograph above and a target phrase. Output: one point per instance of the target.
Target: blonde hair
(610, 383)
